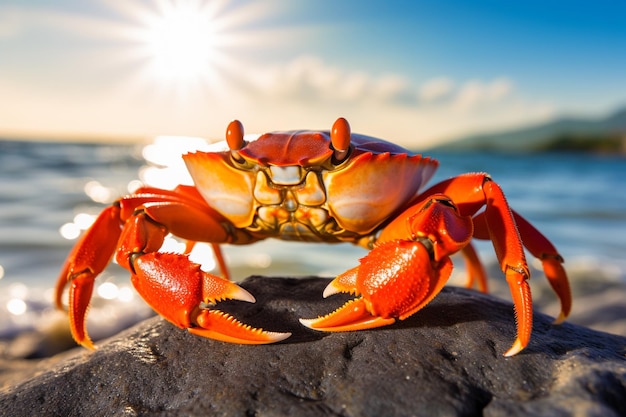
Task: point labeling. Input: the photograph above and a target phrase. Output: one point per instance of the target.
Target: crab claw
(353, 315)
(215, 324)
(185, 295)
(393, 281)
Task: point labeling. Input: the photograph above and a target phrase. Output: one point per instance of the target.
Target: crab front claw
(185, 295)
(395, 280)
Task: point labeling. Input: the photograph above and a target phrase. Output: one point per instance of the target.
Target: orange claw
(181, 292)
(218, 325)
(404, 271)
(395, 280)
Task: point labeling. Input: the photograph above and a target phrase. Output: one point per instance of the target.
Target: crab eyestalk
(340, 139)
(234, 138)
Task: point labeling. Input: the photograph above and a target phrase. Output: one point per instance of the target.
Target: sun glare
(193, 48)
(181, 44)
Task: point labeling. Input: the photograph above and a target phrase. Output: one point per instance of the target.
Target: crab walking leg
(92, 252)
(510, 253)
(541, 248)
(475, 270)
(221, 261)
(471, 192)
(88, 258)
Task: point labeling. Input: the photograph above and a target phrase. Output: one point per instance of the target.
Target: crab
(318, 186)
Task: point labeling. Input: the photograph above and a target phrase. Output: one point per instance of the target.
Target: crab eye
(340, 139)
(234, 138)
(234, 135)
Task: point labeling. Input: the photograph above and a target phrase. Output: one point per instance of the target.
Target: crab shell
(292, 185)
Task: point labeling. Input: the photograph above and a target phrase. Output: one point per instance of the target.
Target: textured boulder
(445, 360)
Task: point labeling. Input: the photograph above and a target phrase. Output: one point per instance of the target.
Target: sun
(181, 43)
(193, 49)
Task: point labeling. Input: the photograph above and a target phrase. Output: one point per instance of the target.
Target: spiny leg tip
(560, 319)
(515, 349)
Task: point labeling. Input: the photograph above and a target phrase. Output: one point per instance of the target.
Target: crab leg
(541, 248)
(510, 252)
(475, 270)
(87, 259)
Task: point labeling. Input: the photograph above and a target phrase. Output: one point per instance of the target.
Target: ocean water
(51, 191)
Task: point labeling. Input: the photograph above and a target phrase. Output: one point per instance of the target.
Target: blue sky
(416, 73)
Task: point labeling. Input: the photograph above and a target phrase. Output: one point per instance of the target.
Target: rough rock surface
(444, 361)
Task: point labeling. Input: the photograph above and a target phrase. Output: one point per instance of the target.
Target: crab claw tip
(331, 289)
(351, 316)
(343, 283)
(310, 323)
(238, 293)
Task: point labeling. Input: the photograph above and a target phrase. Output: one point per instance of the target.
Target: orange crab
(318, 186)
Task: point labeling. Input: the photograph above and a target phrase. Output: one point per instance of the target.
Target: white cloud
(435, 89)
(354, 87)
(311, 92)
(310, 78)
(475, 93)
(390, 87)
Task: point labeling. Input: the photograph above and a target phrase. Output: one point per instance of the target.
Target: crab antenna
(340, 139)
(234, 137)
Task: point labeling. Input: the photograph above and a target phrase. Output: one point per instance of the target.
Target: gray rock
(444, 361)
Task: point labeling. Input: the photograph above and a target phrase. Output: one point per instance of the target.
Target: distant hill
(567, 134)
